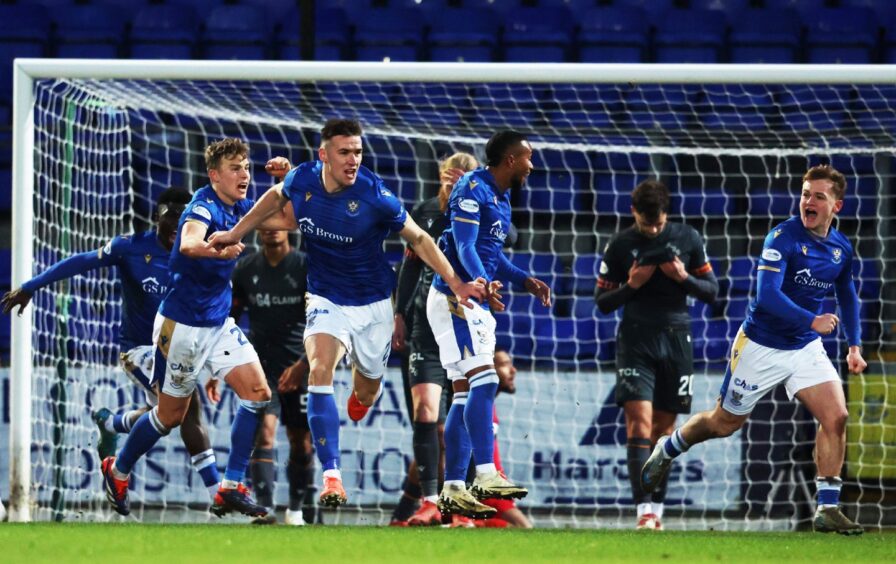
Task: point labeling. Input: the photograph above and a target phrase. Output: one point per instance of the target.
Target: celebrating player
(802, 260)
(142, 262)
(479, 210)
(192, 331)
(271, 284)
(650, 269)
(428, 381)
(345, 212)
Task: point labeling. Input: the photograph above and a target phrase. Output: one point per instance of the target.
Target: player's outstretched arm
(193, 245)
(66, 268)
(270, 203)
(520, 277)
(429, 252)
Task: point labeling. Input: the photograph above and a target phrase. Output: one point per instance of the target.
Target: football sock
(297, 476)
(261, 471)
(637, 452)
(426, 453)
(122, 422)
(659, 493)
(828, 491)
(478, 415)
(675, 445)
(457, 441)
(145, 434)
(242, 439)
(323, 418)
(205, 464)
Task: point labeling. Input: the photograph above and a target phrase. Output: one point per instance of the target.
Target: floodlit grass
(167, 544)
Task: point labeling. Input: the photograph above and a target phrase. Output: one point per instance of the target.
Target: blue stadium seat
(659, 107)
(690, 36)
(819, 108)
(841, 35)
(861, 197)
(24, 34)
(236, 31)
(509, 106)
(463, 34)
(88, 31)
(765, 36)
(278, 12)
(772, 203)
(5, 268)
(332, 35)
(393, 33)
(539, 264)
(613, 34)
(736, 310)
(535, 35)
(552, 190)
(741, 275)
(866, 273)
(585, 271)
(731, 8)
(689, 202)
(654, 9)
(164, 31)
(5, 189)
(583, 308)
(804, 8)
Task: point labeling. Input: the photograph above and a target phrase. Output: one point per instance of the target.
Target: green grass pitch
(195, 544)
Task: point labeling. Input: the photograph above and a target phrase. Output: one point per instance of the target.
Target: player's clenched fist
(825, 324)
(277, 167)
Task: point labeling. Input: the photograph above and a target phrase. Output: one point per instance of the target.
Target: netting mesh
(731, 154)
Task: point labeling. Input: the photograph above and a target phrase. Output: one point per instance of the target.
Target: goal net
(730, 142)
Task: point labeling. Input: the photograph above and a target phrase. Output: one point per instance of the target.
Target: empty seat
(735, 107)
(164, 31)
(535, 35)
(690, 36)
(841, 35)
(765, 36)
(464, 34)
(389, 33)
(88, 31)
(236, 31)
(24, 34)
(614, 35)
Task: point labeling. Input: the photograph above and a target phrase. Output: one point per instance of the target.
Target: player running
(142, 261)
(270, 285)
(802, 260)
(650, 270)
(345, 212)
(479, 210)
(192, 332)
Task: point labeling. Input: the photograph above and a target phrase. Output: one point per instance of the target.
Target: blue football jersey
(811, 268)
(343, 234)
(476, 199)
(199, 293)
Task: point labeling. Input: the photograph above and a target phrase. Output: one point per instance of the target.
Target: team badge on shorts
(353, 207)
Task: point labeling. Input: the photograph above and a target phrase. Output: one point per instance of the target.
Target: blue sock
(323, 418)
(121, 422)
(478, 416)
(242, 440)
(828, 490)
(675, 445)
(205, 464)
(457, 441)
(146, 433)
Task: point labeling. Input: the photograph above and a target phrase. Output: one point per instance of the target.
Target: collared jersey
(199, 293)
(142, 263)
(275, 299)
(343, 234)
(810, 267)
(476, 199)
(661, 301)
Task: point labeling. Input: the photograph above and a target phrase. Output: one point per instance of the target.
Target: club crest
(838, 256)
(352, 208)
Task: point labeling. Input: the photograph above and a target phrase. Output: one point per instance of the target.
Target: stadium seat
(765, 36)
(88, 31)
(535, 35)
(5, 189)
(585, 271)
(613, 34)
(653, 107)
(24, 35)
(690, 36)
(389, 33)
(332, 35)
(817, 108)
(551, 190)
(164, 31)
(654, 9)
(867, 276)
(690, 202)
(236, 31)
(841, 35)
(741, 275)
(731, 8)
(463, 34)
(734, 107)
(278, 12)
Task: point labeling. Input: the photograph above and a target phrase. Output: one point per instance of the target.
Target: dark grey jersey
(275, 299)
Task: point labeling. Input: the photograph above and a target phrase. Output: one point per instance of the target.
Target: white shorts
(755, 369)
(365, 331)
(466, 337)
(182, 352)
(137, 364)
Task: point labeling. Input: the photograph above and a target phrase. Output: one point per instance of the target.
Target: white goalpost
(95, 142)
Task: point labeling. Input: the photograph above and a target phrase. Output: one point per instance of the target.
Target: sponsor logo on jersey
(498, 232)
(152, 286)
(838, 256)
(771, 254)
(353, 208)
(804, 278)
(743, 384)
(469, 206)
(264, 299)
(629, 372)
(291, 281)
(306, 226)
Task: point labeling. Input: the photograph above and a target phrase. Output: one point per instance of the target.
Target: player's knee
(299, 457)
(319, 375)
(256, 405)
(164, 420)
(425, 413)
(836, 421)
